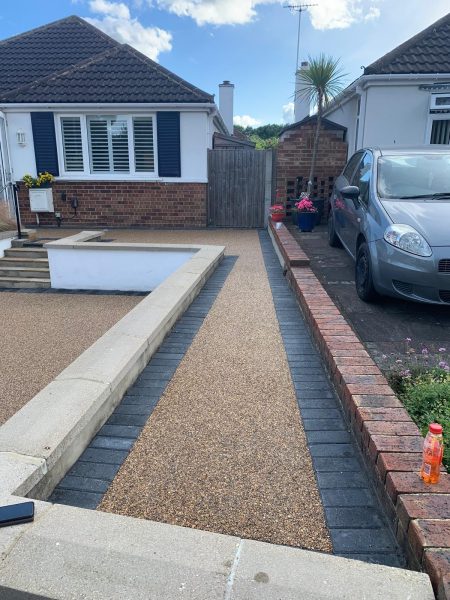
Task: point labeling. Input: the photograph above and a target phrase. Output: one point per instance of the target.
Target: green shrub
(426, 396)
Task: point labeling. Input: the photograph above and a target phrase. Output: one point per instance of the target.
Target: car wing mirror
(351, 192)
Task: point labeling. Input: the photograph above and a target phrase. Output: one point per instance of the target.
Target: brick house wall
(294, 154)
(122, 204)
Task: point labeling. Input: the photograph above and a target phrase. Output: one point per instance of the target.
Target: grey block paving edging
(90, 477)
(357, 524)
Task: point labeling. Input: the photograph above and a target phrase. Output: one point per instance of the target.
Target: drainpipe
(362, 93)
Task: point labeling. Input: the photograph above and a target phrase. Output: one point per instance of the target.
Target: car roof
(428, 149)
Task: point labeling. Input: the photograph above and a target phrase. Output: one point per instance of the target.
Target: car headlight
(408, 239)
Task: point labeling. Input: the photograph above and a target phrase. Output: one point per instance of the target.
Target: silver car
(390, 209)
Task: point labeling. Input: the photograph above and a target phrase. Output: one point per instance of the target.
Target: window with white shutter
(72, 144)
(108, 144)
(144, 151)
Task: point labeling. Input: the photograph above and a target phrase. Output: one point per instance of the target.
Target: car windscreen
(413, 175)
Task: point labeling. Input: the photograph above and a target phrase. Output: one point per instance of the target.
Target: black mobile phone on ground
(16, 514)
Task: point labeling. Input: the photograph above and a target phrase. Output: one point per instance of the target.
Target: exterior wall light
(21, 138)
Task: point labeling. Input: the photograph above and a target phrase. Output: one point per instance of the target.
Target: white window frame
(429, 127)
(86, 174)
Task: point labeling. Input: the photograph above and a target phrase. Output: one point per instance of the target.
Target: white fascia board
(61, 107)
(366, 81)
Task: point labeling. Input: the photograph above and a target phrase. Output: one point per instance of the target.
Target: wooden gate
(239, 187)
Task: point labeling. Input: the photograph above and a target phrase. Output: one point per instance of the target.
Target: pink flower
(306, 205)
(442, 349)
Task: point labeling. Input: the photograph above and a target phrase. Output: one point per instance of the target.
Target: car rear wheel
(363, 275)
(333, 239)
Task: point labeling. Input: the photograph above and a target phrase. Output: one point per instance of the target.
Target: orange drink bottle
(433, 451)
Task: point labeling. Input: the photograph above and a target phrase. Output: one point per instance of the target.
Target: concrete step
(19, 282)
(24, 272)
(39, 263)
(26, 253)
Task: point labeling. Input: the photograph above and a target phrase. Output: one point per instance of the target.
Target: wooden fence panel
(236, 188)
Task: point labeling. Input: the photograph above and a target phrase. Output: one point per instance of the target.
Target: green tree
(322, 81)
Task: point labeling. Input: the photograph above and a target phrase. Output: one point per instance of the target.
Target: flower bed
(422, 383)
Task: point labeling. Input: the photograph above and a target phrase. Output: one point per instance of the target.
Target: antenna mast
(300, 8)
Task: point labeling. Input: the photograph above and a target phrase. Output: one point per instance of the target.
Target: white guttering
(367, 80)
(26, 107)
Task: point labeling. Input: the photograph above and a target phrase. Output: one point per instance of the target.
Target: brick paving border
(390, 441)
(355, 519)
(90, 477)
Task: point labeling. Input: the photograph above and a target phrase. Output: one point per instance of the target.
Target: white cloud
(329, 14)
(116, 21)
(246, 121)
(340, 14)
(288, 112)
(215, 12)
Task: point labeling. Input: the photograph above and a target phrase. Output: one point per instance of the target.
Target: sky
(252, 43)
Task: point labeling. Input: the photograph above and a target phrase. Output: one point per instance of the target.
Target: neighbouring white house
(402, 98)
(126, 139)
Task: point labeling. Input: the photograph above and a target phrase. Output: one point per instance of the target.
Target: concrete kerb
(71, 553)
(40, 443)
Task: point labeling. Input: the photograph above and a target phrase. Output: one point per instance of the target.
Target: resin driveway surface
(383, 327)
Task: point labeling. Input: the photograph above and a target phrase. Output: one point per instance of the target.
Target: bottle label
(427, 468)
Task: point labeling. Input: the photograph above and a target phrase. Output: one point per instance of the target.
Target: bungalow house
(126, 139)
(403, 97)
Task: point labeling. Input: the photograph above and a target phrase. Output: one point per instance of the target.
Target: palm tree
(319, 84)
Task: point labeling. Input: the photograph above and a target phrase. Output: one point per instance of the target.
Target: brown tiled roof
(426, 52)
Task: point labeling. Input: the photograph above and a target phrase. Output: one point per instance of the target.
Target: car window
(363, 176)
(351, 165)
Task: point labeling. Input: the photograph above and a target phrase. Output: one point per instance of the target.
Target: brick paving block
(401, 428)
(317, 402)
(324, 425)
(84, 484)
(427, 533)
(370, 389)
(398, 461)
(133, 420)
(350, 498)
(375, 401)
(328, 437)
(357, 370)
(411, 483)
(125, 431)
(353, 517)
(436, 562)
(99, 455)
(88, 500)
(390, 559)
(336, 450)
(392, 443)
(364, 413)
(330, 464)
(422, 506)
(111, 443)
(364, 360)
(365, 380)
(362, 540)
(344, 480)
(321, 413)
(96, 470)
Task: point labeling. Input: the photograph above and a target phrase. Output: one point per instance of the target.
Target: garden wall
(122, 204)
(294, 154)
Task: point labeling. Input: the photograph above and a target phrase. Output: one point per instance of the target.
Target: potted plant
(307, 214)
(277, 212)
(40, 191)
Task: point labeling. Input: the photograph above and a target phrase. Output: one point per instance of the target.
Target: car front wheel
(363, 275)
(333, 239)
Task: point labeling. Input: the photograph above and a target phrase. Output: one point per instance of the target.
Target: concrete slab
(79, 554)
(267, 572)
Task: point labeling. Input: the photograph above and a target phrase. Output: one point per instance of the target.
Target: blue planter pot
(306, 221)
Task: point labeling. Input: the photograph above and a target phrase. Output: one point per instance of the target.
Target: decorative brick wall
(122, 204)
(294, 154)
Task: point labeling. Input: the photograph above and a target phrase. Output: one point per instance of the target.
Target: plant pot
(277, 217)
(319, 203)
(306, 221)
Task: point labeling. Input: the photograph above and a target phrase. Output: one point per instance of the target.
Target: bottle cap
(436, 428)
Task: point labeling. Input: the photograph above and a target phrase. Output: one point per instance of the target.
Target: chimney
(226, 94)
(301, 104)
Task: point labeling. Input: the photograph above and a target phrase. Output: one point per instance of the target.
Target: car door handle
(359, 220)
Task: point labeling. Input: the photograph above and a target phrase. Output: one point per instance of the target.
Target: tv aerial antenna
(300, 9)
